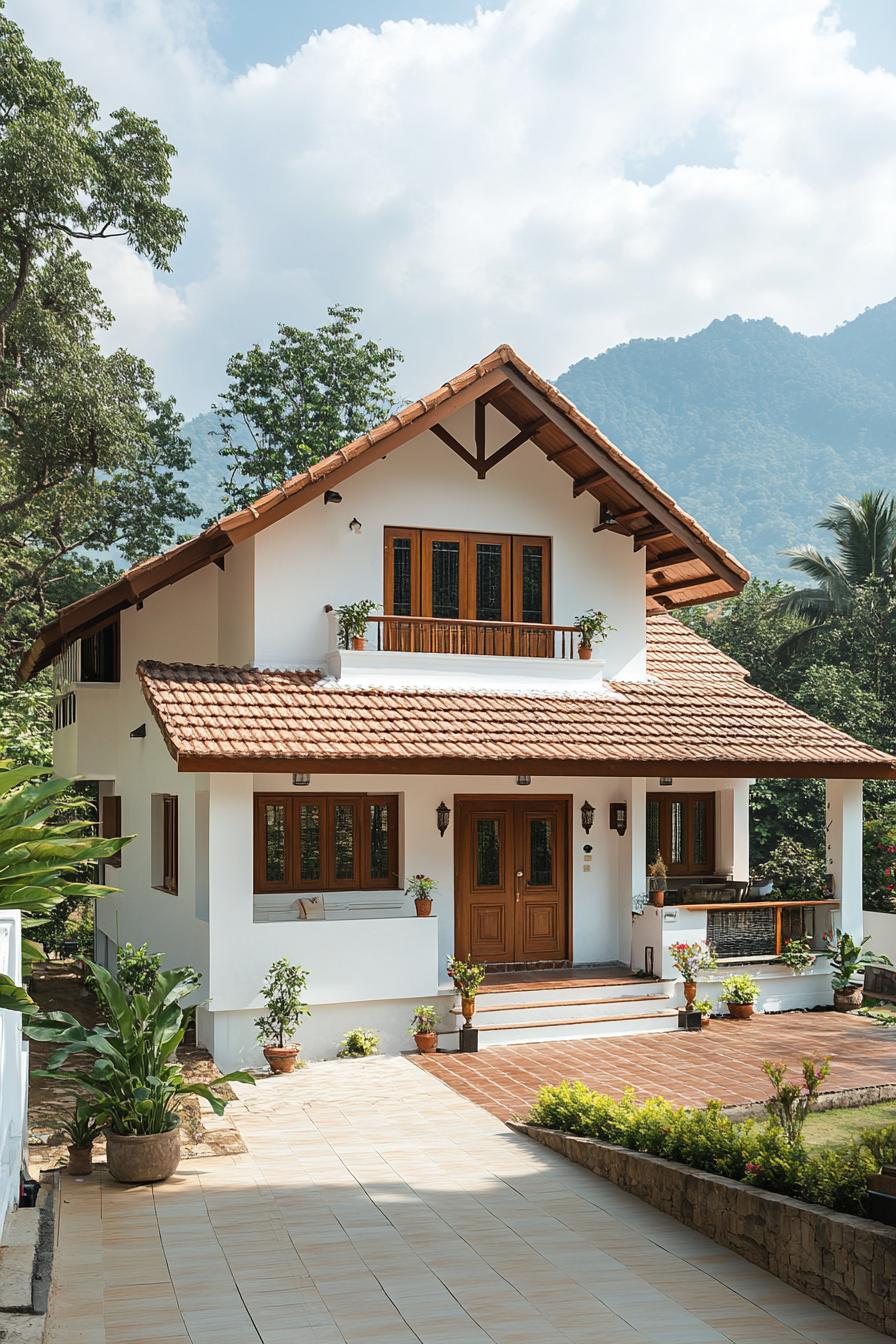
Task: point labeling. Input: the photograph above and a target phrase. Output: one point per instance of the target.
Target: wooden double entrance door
(511, 888)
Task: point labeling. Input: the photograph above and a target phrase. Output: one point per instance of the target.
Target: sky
(563, 175)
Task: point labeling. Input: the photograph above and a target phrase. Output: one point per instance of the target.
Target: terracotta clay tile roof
(682, 721)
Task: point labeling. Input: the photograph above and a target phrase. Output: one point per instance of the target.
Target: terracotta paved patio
(723, 1061)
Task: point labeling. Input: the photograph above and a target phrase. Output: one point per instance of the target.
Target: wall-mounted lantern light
(354, 525)
(587, 817)
(523, 780)
(619, 818)
(666, 782)
(332, 497)
(139, 731)
(301, 781)
(443, 816)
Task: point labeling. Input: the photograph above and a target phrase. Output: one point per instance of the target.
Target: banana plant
(41, 856)
(135, 1081)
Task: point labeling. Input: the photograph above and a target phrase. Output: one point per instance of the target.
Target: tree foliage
(299, 400)
(90, 452)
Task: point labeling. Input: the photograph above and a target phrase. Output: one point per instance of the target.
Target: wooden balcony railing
(740, 930)
(432, 634)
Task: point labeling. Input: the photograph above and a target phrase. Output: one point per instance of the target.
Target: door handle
(518, 876)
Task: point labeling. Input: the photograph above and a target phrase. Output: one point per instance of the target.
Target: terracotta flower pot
(281, 1058)
(468, 1007)
(80, 1160)
(658, 898)
(740, 1011)
(359, 643)
(845, 1000)
(139, 1159)
(423, 905)
(584, 652)
(690, 991)
(426, 1042)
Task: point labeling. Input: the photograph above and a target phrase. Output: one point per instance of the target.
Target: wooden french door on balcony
(511, 889)
(448, 576)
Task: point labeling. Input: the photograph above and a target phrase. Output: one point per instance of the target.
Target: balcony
(465, 654)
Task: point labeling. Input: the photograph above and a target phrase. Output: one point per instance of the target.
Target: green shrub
(739, 989)
(358, 1043)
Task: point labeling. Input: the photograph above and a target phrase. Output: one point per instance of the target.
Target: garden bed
(846, 1262)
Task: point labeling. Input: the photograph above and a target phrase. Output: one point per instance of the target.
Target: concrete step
(493, 1011)
(582, 991)
(576, 1028)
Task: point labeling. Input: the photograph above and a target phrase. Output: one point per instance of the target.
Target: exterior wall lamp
(332, 497)
(354, 525)
(666, 782)
(523, 780)
(300, 781)
(619, 818)
(443, 816)
(587, 817)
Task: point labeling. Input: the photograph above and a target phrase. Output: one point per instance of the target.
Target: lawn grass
(829, 1128)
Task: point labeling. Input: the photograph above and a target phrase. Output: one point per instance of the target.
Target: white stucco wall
(311, 557)
(881, 929)
(13, 1070)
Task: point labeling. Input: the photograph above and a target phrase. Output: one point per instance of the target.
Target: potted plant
(421, 888)
(358, 1044)
(798, 955)
(849, 959)
(689, 960)
(282, 994)
(740, 992)
(134, 1082)
(82, 1129)
(467, 977)
(656, 880)
(423, 1028)
(353, 618)
(593, 628)
(704, 1008)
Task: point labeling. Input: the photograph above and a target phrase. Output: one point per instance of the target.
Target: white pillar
(733, 829)
(843, 826)
(631, 880)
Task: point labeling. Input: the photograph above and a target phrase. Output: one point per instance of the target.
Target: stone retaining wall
(847, 1263)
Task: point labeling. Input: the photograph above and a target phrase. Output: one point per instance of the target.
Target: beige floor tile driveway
(374, 1204)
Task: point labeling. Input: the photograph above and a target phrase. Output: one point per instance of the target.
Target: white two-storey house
(283, 788)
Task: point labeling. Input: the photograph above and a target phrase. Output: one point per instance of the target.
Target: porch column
(733, 829)
(631, 879)
(843, 825)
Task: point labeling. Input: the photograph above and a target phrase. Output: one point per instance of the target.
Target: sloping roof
(697, 715)
(684, 564)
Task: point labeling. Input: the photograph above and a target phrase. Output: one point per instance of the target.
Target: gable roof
(684, 564)
(698, 715)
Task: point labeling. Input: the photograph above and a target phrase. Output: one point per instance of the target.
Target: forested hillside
(753, 428)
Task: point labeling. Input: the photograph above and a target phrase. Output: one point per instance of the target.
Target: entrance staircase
(578, 1003)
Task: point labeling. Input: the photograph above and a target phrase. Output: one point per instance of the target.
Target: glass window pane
(677, 843)
(488, 852)
(401, 576)
(344, 840)
(653, 829)
(699, 806)
(275, 842)
(489, 557)
(446, 579)
(533, 572)
(541, 852)
(309, 842)
(379, 841)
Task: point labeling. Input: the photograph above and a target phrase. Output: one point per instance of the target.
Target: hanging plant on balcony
(353, 618)
(593, 628)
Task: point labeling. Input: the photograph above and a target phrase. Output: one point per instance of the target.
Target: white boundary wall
(13, 1070)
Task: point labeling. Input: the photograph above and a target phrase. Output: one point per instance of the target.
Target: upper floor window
(165, 842)
(326, 842)
(466, 576)
(100, 653)
(681, 827)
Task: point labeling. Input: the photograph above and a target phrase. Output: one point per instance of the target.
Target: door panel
(532, 595)
(512, 880)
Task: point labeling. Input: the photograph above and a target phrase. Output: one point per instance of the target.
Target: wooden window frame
(361, 879)
(421, 540)
(114, 626)
(687, 868)
(170, 843)
(110, 824)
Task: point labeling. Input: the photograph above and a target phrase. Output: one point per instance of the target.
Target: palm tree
(42, 859)
(865, 530)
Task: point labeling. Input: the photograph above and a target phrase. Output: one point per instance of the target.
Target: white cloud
(473, 184)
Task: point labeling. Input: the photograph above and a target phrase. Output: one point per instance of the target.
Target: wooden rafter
(670, 559)
(676, 585)
(587, 482)
(524, 435)
(442, 433)
(479, 436)
(651, 534)
(560, 452)
(480, 463)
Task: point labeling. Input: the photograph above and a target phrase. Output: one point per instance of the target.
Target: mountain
(753, 428)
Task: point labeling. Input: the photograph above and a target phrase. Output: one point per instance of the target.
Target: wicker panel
(741, 933)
